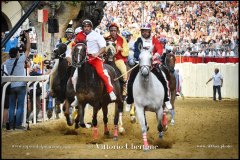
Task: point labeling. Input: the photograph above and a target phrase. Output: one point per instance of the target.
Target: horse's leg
(81, 113)
(119, 105)
(141, 118)
(105, 120)
(160, 127)
(173, 97)
(146, 121)
(66, 112)
(116, 120)
(132, 114)
(94, 122)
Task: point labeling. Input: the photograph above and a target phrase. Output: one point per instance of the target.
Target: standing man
(217, 84)
(18, 89)
(122, 53)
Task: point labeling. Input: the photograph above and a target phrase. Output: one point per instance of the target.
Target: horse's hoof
(165, 128)
(160, 135)
(133, 119)
(107, 133)
(115, 138)
(172, 122)
(83, 125)
(88, 125)
(121, 130)
(147, 128)
(76, 126)
(69, 123)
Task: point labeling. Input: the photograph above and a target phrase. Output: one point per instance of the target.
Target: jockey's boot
(75, 102)
(112, 96)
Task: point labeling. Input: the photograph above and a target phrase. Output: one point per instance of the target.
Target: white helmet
(69, 30)
(77, 30)
(146, 26)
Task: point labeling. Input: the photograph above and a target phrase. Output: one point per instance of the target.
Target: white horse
(148, 94)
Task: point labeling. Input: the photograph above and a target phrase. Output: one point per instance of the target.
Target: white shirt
(95, 42)
(217, 79)
(187, 53)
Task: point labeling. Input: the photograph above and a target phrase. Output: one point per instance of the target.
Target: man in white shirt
(217, 84)
(95, 47)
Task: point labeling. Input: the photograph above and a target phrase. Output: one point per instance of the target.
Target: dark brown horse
(61, 74)
(91, 89)
(168, 68)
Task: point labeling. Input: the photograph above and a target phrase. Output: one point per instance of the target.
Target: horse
(168, 68)
(91, 89)
(109, 59)
(148, 94)
(60, 83)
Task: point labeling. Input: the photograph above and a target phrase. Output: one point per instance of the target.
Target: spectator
(179, 82)
(187, 53)
(217, 84)
(34, 72)
(18, 89)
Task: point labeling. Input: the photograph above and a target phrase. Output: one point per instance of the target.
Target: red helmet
(113, 25)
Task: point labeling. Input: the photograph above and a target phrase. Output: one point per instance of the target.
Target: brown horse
(168, 68)
(61, 75)
(91, 89)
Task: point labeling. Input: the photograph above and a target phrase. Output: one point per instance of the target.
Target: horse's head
(145, 62)
(79, 55)
(60, 51)
(110, 51)
(170, 61)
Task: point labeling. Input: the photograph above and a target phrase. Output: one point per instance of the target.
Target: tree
(65, 12)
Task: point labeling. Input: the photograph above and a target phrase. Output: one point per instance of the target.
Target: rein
(126, 72)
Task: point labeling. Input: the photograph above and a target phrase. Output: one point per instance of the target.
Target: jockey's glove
(131, 61)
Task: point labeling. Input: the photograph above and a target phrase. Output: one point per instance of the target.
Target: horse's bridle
(82, 61)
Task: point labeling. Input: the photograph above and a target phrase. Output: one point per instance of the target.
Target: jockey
(95, 47)
(147, 41)
(122, 52)
(67, 39)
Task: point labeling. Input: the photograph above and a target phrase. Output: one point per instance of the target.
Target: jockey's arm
(158, 46)
(101, 51)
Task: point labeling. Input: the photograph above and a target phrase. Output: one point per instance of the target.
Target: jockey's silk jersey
(217, 79)
(95, 42)
(147, 43)
(122, 42)
(151, 42)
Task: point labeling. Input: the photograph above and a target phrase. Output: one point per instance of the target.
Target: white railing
(44, 79)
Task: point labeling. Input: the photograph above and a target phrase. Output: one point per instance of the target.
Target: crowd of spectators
(199, 27)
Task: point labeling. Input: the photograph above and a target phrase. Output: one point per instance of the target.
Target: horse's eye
(114, 44)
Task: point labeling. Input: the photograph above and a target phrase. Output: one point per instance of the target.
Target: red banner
(194, 59)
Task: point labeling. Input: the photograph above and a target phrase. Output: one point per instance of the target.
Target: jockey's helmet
(128, 33)
(146, 26)
(77, 30)
(87, 21)
(69, 30)
(113, 25)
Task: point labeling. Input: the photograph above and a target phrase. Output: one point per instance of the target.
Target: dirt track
(203, 129)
